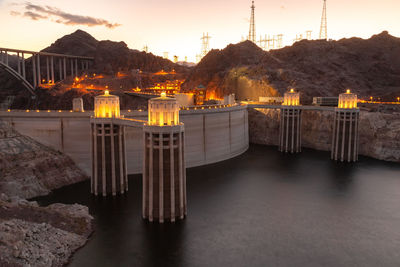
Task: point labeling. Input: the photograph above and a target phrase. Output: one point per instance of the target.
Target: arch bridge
(29, 67)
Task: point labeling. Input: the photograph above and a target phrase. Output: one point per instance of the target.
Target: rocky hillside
(29, 169)
(79, 43)
(110, 57)
(316, 68)
(379, 132)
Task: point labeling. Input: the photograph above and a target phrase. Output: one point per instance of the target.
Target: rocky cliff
(379, 132)
(315, 68)
(29, 169)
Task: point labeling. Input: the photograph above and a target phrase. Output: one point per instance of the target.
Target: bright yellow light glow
(347, 100)
(163, 111)
(163, 94)
(291, 98)
(106, 106)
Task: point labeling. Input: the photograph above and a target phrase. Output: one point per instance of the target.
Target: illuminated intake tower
(345, 129)
(108, 148)
(164, 172)
(290, 125)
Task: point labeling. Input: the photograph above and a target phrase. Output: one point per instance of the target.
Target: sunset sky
(177, 25)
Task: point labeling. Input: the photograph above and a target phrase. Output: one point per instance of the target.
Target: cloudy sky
(176, 26)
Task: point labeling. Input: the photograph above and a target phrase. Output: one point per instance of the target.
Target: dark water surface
(262, 208)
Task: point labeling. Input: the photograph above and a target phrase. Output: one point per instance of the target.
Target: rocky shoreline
(31, 235)
(41, 236)
(379, 132)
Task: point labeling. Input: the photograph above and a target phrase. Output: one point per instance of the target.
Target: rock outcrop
(40, 236)
(379, 133)
(315, 68)
(29, 169)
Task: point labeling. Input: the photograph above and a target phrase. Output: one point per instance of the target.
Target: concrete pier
(290, 123)
(290, 130)
(345, 129)
(109, 171)
(164, 171)
(109, 175)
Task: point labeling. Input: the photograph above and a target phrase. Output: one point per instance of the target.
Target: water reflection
(342, 176)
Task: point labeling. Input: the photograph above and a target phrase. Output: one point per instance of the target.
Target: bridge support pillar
(47, 69)
(71, 62)
(23, 66)
(345, 135)
(290, 129)
(65, 68)
(38, 70)
(76, 67)
(52, 68)
(34, 70)
(19, 64)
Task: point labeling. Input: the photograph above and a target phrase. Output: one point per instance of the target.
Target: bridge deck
(43, 53)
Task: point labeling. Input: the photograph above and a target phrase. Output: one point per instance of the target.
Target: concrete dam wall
(211, 135)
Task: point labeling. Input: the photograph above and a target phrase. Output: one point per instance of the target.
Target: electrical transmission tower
(323, 32)
(205, 44)
(252, 31)
(308, 34)
(165, 55)
(279, 41)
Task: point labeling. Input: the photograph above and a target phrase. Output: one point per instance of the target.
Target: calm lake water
(262, 208)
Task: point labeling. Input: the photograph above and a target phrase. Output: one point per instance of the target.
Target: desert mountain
(110, 56)
(316, 68)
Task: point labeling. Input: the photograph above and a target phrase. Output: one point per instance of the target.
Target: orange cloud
(37, 12)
